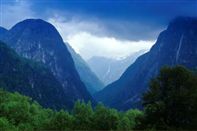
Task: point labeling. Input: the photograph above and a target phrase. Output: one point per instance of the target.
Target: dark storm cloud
(125, 19)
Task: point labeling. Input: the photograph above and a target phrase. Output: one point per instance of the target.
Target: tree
(83, 115)
(105, 119)
(124, 124)
(133, 115)
(61, 120)
(20, 112)
(5, 125)
(171, 102)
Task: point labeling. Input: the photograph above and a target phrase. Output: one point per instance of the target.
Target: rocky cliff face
(38, 40)
(91, 81)
(31, 79)
(177, 45)
(3, 31)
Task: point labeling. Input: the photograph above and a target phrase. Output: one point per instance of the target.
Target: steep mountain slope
(38, 40)
(109, 70)
(30, 78)
(3, 31)
(175, 46)
(91, 81)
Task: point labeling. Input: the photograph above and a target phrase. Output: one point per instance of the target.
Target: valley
(98, 65)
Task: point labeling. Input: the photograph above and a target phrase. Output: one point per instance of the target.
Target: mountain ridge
(108, 69)
(40, 41)
(18, 74)
(177, 45)
(91, 81)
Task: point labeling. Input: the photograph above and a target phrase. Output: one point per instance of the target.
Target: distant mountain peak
(108, 69)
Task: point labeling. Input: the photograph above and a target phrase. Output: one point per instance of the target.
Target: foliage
(83, 114)
(105, 118)
(171, 102)
(19, 112)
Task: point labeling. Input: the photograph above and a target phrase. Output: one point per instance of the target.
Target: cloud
(89, 45)
(72, 26)
(85, 38)
(121, 29)
(13, 12)
(89, 36)
(132, 30)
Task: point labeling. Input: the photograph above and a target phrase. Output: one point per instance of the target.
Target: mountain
(91, 81)
(177, 45)
(38, 40)
(3, 31)
(30, 78)
(109, 70)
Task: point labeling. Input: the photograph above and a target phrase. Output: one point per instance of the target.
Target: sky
(107, 28)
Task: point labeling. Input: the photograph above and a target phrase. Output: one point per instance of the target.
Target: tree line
(169, 104)
(18, 112)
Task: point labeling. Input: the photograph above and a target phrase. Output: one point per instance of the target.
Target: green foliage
(61, 120)
(5, 125)
(83, 114)
(171, 102)
(104, 118)
(133, 115)
(124, 124)
(19, 112)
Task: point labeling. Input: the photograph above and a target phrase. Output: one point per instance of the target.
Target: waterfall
(179, 48)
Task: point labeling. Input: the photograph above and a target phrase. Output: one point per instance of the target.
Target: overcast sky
(109, 28)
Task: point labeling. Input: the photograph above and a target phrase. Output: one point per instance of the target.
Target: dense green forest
(18, 112)
(170, 103)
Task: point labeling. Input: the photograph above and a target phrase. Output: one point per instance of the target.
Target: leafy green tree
(21, 112)
(171, 102)
(61, 120)
(15, 108)
(124, 124)
(133, 115)
(18, 112)
(105, 119)
(83, 115)
(5, 125)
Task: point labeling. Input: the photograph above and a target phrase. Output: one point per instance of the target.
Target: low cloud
(89, 36)
(82, 36)
(89, 45)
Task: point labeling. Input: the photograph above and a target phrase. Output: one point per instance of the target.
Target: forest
(171, 93)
